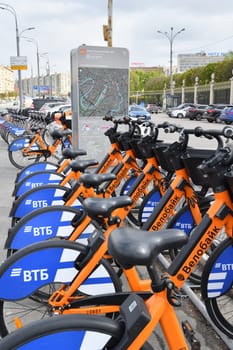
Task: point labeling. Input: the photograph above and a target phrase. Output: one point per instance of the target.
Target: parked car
(226, 115)
(180, 112)
(37, 102)
(212, 113)
(196, 112)
(177, 112)
(152, 108)
(136, 112)
(52, 107)
(3, 111)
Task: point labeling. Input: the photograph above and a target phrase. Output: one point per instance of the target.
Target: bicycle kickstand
(190, 335)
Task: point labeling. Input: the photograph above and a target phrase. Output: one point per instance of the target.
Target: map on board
(103, 90)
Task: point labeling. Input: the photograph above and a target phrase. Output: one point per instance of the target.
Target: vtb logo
(30, 275)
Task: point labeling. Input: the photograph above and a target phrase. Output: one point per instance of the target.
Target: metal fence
(221, 94)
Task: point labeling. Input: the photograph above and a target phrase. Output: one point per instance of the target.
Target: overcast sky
(62, 25)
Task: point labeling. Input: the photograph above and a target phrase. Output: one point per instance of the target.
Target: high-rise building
(200, 59)
(56, 84)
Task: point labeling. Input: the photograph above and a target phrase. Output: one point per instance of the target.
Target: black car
(196, 112)
(213, 112)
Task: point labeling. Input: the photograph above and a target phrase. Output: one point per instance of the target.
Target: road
(205, 333)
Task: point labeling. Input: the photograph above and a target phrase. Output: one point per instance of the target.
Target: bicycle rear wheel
(66, 332)
(217, 287)
(36, 306)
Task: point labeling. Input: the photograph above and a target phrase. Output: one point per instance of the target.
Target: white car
(179, 112)
(52, 107)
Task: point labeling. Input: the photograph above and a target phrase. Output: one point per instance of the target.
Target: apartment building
(56, 84)
(6, 80)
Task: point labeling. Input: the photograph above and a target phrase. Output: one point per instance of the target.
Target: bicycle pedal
(190, 335)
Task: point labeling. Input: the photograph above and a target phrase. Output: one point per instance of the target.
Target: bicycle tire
(36, 306)
(217, 288)
(66, 332)
(20, 161)
(46, 135)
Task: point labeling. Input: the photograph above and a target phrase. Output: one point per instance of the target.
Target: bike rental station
(108, 237)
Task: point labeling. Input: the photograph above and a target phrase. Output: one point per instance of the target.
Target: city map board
(100, 86)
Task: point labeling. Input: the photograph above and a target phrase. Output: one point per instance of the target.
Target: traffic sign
(18, 62)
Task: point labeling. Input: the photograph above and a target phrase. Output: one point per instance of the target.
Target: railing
(221, 94)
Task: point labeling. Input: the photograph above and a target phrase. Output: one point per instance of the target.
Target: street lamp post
(32, 40)
(171, 36)
(11, 9)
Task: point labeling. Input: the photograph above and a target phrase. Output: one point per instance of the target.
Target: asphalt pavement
(204, 332)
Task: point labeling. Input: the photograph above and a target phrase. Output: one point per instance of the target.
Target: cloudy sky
(62, 25)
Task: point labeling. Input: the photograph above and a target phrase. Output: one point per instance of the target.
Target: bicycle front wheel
(16, 153)
(19, 160)
(66, 332)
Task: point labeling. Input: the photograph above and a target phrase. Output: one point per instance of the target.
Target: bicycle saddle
(103, 207)
(70, 153)
(59, 133)
(81, 165)
(94, 180)
(131, 247)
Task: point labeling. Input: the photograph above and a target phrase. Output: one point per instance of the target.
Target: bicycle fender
(149, 203)
(47, 262)
(46, 223)
(32, 168)
(38, 179)
(218, 272)
(40, 197)
(21, 143)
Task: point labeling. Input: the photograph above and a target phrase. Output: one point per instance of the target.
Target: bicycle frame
(217, 217)
(179, 187)
(162, 313)
(62, 296)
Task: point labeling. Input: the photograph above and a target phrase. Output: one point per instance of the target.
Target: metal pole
(38, 69)
(171, 72)
(110, 23)
(32, 40)
(11, 9)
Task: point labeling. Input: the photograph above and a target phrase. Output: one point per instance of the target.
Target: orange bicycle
(29, 149)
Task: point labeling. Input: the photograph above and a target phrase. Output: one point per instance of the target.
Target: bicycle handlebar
(223, 157)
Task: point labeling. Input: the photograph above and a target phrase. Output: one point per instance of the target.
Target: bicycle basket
(191, 159)
(144, 148)
(161, 155)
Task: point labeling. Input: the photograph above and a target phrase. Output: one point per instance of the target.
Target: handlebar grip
(170, 128)
(228, 132)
